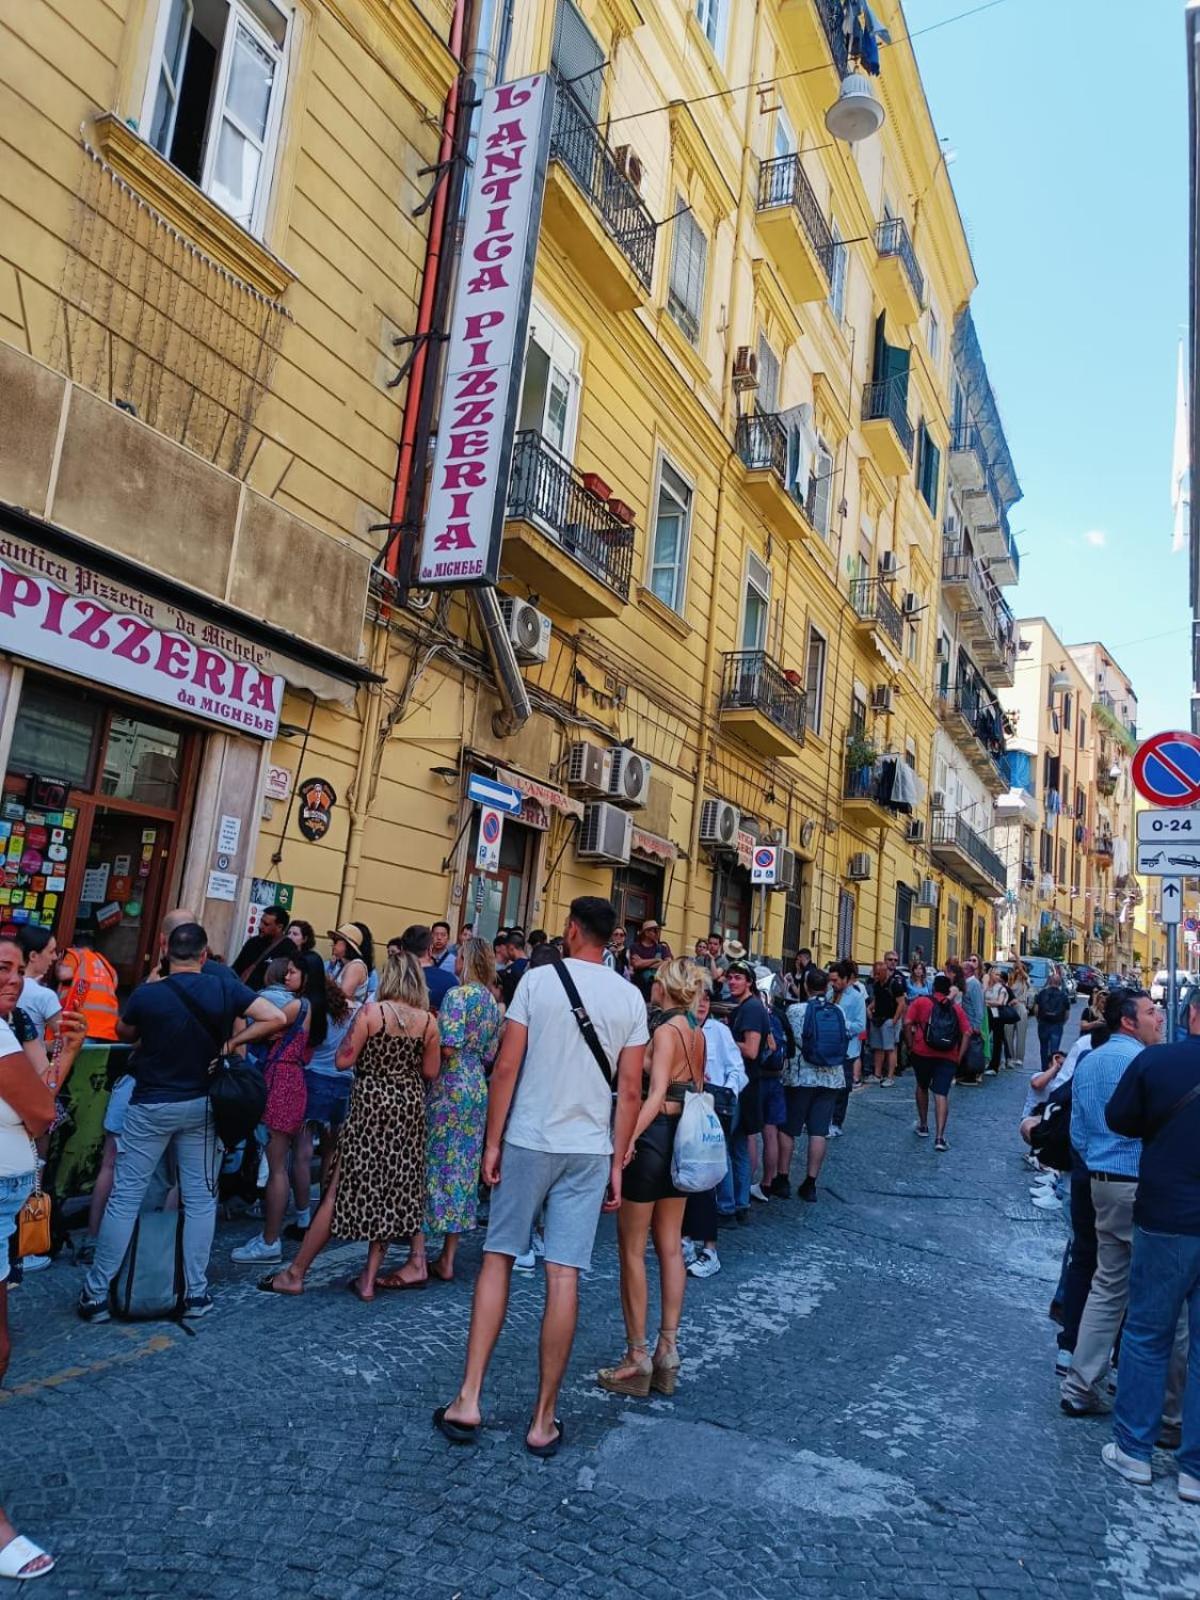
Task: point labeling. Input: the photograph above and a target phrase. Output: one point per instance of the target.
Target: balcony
(901, 282)
(1106, 783)
(593, 212)
(550, 516)
(1028, 874)
(762, 703)
(886, 427)
(877, 613)
(1006, 567)
(975, 727)
(968, 462)
(863, 798)
(793, 227)
(813, 31)
(763, 448)
(1100, 848)
(1118, 710)
(986, 620)
(966, 855)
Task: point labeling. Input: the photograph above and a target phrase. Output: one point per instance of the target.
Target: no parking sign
(764, 865)
(491, 830)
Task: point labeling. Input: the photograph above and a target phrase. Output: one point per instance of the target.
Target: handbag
(33, 1219)
(1008, 1016)
(237, 1092)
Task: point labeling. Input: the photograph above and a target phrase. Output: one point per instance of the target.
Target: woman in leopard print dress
(378, 1189)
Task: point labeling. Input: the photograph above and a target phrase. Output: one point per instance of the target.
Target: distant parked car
(1158, 987)
(1088, 979)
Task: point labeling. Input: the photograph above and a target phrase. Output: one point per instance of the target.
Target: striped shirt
(1096, 1077)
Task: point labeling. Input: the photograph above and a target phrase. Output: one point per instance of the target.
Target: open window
(551, 385)
(214, 98)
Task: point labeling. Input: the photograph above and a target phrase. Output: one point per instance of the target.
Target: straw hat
(350, 934)
(735, 950)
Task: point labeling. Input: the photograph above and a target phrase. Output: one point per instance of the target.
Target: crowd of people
(532, 1082)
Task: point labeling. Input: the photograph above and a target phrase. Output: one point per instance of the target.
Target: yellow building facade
(723, 546)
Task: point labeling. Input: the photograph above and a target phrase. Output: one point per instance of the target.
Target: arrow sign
(1172, 901)
(500, 796)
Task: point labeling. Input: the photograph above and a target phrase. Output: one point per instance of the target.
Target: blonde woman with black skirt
(651, 1206)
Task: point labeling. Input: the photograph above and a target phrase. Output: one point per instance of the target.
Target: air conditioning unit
(938, 800)
(745, 369)
(912, 603)
(528, 629)
(719, 824)
(629, 164)
(588, 768)
(859, 869)
(914, 832)
(927, 894)
(881, 697)
(629, 778)
(605, 834)
(785, 869)
(889, 564)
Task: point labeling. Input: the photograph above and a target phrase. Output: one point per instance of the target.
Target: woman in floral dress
(456, 1109)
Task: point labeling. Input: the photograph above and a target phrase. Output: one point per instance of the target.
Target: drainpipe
(727, 422)
(515, 709)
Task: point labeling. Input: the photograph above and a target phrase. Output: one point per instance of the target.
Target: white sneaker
(690, 1252)
(1062, 1362)
(1046, 1202)
(256, 1250)
(526, 1263)
(35, 1263)
(1132, 1470)
(756, 1193)
(834, 1131)
(538, 1243)
(705, 1265)
(1189, 1488)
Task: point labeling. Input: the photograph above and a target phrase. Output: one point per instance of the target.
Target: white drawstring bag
(698, 1159)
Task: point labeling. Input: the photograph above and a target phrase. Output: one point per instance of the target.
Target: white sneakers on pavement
(1189, 1489)
(707, 1263)
(256, 1250)
(1130, 1468)
(756, 1193)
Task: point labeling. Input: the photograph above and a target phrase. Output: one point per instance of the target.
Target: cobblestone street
(867, 1408)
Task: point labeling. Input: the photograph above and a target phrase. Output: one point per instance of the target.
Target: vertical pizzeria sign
(464, 523)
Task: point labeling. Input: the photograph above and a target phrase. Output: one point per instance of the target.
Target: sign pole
(1172, 985)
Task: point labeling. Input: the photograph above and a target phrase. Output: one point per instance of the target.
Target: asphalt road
(867, 1408)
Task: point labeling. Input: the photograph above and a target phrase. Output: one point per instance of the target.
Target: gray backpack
(150, 1283)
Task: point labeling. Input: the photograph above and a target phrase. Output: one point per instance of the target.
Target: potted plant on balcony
(596, 486)
(860, 753)
(624, 513)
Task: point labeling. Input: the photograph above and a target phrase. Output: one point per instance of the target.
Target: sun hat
(350, 934)
(734, 950)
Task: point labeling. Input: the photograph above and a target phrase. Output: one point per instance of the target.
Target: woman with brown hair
(377, 1191)
(650, 1203)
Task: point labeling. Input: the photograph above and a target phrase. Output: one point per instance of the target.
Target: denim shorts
(570, 1187)
(328, 1098)
(773, 1102)
(883, 1035)
(118, 1104)
(810, 1110)
(13, 1194)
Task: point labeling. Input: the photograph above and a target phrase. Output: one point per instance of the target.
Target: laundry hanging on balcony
(903, 790)
(1120, 859)
(865, 36)
(801, 449)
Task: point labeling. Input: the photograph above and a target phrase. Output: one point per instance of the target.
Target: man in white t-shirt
(555, 1151)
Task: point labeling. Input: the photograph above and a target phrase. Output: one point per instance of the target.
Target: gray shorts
(883, 1035)
(571, 1187)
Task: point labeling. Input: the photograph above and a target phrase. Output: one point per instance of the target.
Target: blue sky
(1071, 175)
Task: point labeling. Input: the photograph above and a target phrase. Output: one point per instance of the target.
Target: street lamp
(856, 113)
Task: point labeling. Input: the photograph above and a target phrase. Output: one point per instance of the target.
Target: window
(839, 262)
(822, 489)
(858, 715)
(214, 97)
(1062, 864)
(845, 924)
(668, 552)
(814, 679)
(785, 135)
(1046, 852)
(933, 335)
(713, 17)
(929, 461)
(1082, 731)
(951, 926)
(551, 385)
(768, 377)
(1066, 713)
(575, 57)
(689, 253)
(910, 754)
(912, 643)
(756, 604)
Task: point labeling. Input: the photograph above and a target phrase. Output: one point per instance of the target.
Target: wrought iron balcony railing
(950, 830)
(873, 603)
(892, 239)
(545, 489)
(782, 181)
(833, 20)
(886, 401)
(761, 441)
(577, 142)
(753, 681)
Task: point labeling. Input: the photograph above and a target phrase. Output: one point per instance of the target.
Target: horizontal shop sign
(67, 615)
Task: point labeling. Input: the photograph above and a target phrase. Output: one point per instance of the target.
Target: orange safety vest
(92, 989)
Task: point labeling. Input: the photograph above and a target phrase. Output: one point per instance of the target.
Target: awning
(552, 799)
(650, 844)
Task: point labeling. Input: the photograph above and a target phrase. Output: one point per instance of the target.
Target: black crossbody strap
(201, 1017)
(1181, 1104)
(586, 1026)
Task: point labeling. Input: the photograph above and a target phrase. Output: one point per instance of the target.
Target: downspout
(704, 742)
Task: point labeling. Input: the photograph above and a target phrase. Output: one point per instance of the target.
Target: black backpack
(943, 1030)
(1053, 1005)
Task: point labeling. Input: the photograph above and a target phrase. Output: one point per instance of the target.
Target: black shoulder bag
(237, 1092)
(586, 1026)
(1181, 1104)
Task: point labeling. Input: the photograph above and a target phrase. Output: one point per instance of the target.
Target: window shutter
(822, 488)
(576, 52)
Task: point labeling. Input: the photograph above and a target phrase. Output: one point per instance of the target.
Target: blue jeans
(1164, 1279)
(13, 1194)
(185, 1127)
(1049, 1038)
(733, 1192)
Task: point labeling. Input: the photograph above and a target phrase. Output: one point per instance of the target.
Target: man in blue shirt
(1158, 1102)
(1112, 1159)
(418, 941)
